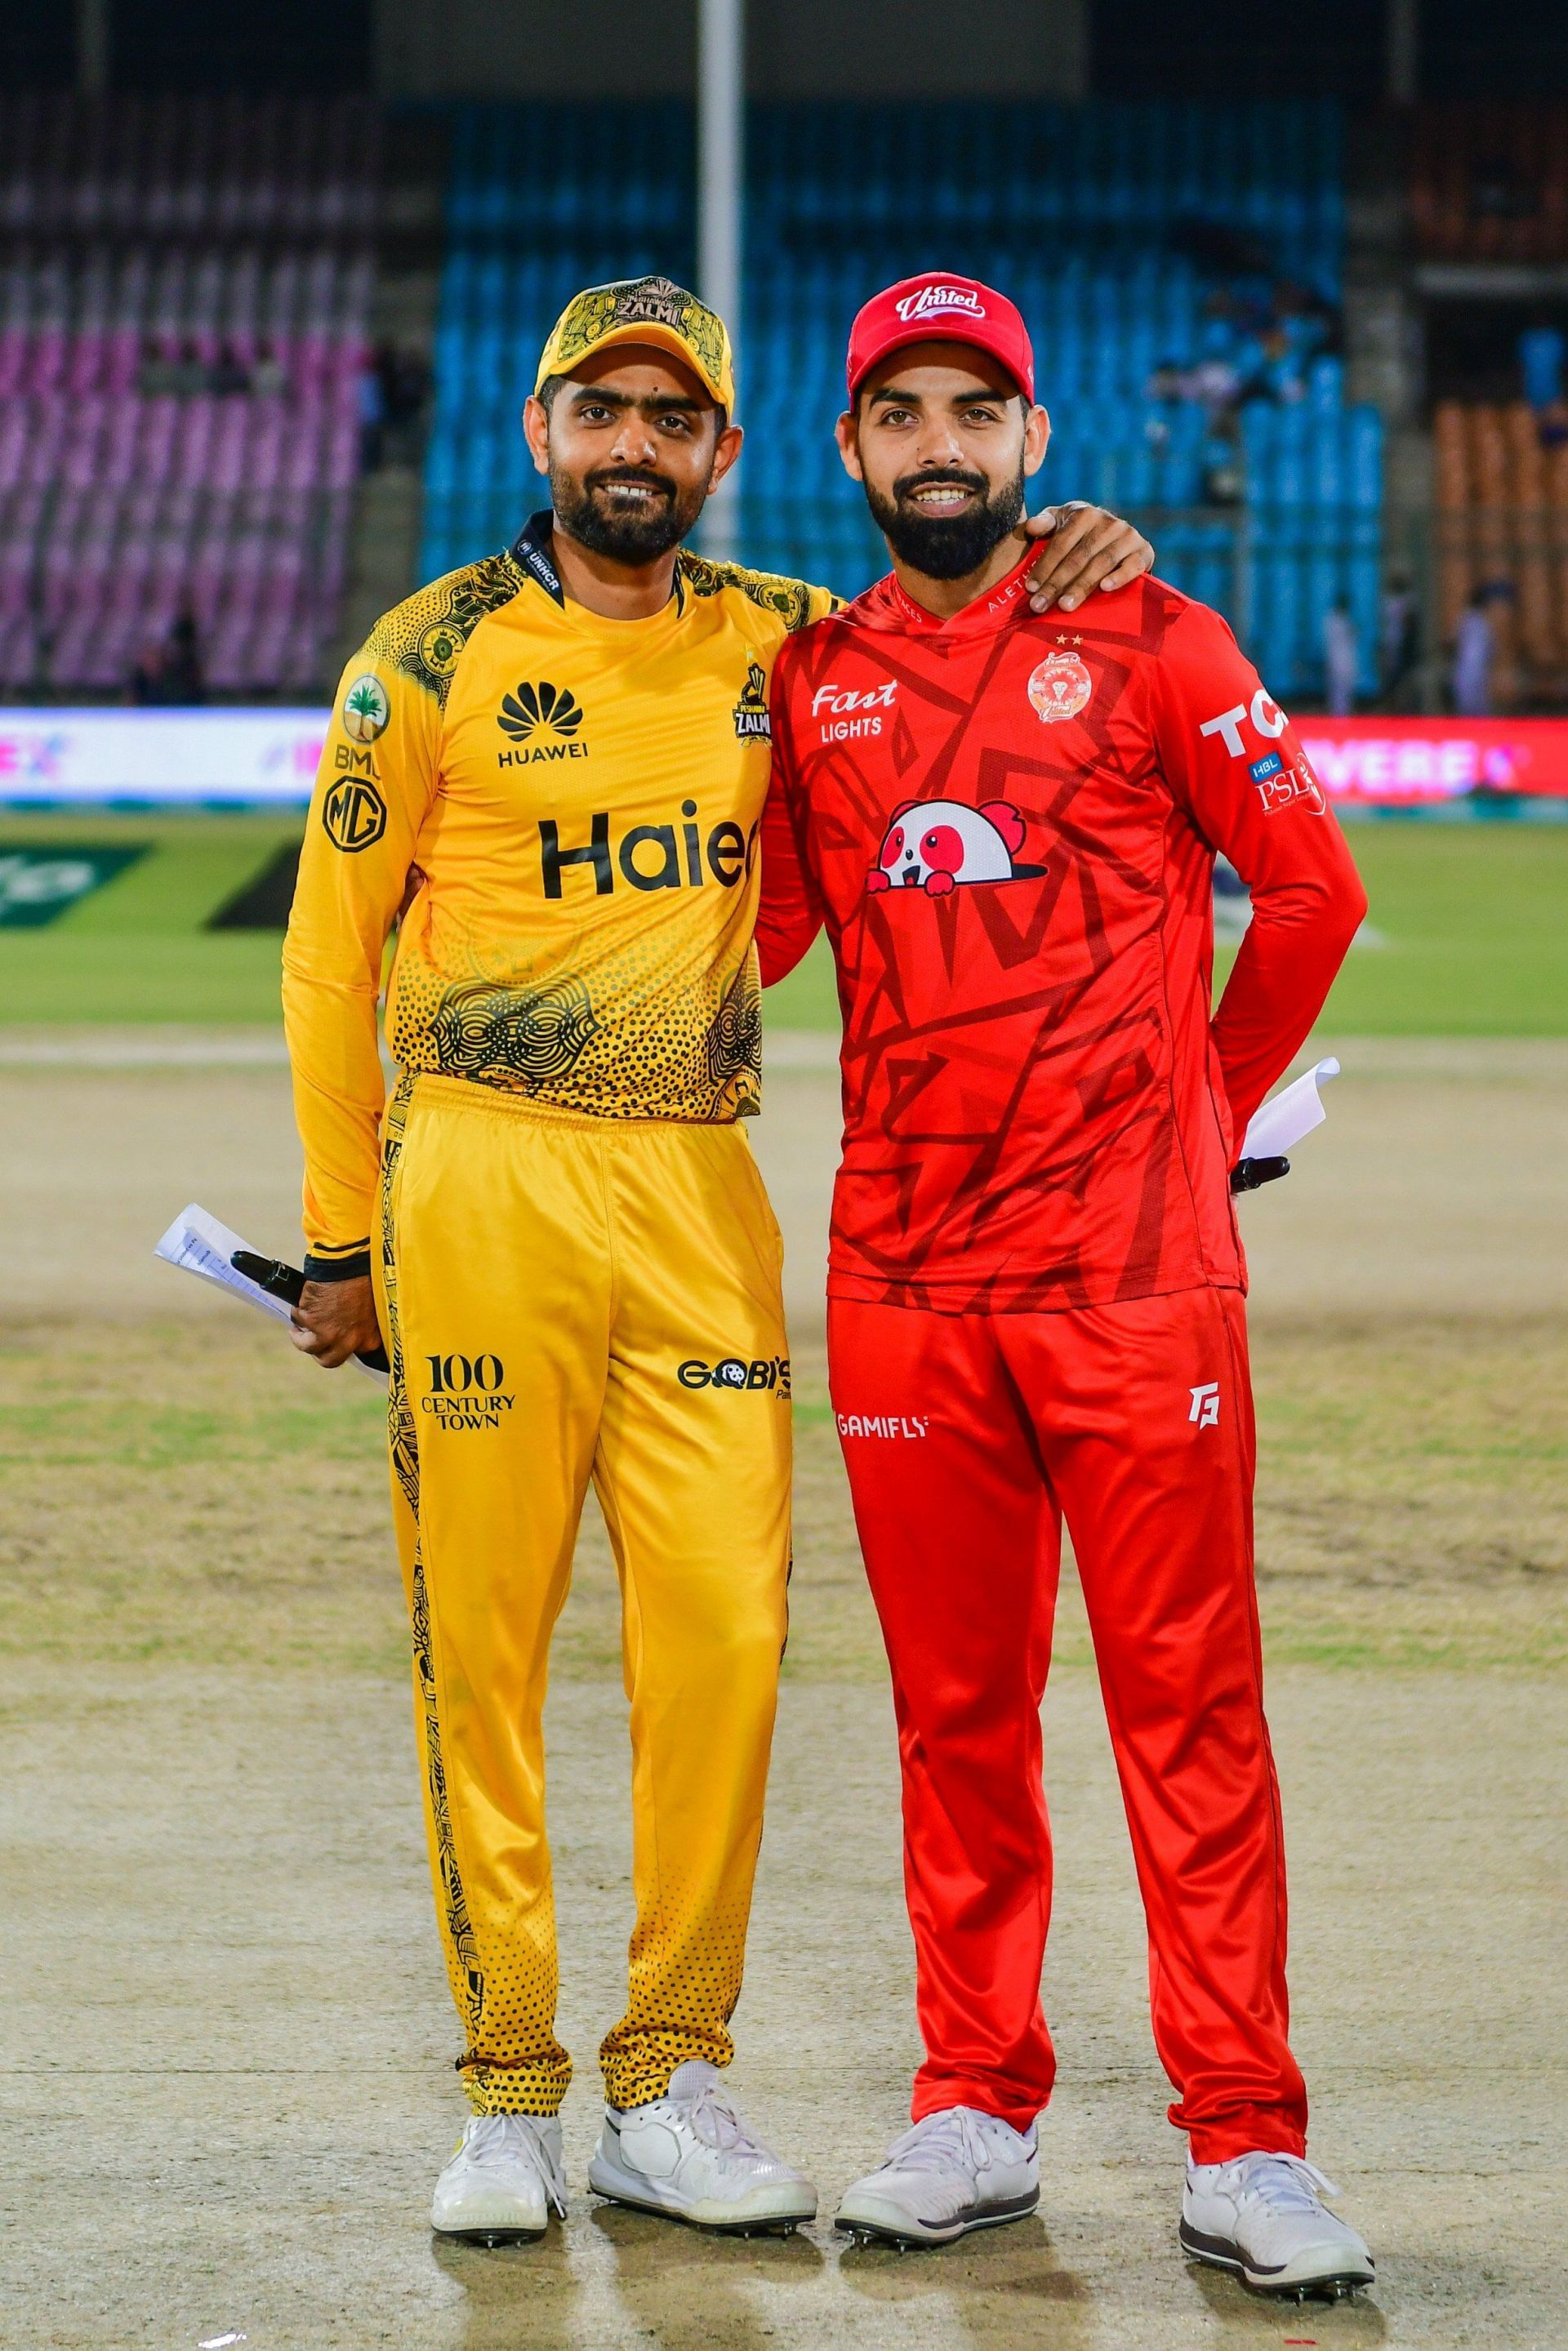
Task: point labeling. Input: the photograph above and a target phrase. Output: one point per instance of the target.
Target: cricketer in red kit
(1008, 824)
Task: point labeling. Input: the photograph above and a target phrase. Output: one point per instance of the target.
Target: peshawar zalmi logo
(532, 706)
(751, 720)
(630, 301)
(365, 709)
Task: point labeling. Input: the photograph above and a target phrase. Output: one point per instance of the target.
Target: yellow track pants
(564, 1298)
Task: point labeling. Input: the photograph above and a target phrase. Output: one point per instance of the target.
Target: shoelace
(491, 2143)
(719, 2123)
(1285, 2183)
(940, 2140)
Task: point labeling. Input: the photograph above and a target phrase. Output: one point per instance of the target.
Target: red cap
(934, 307)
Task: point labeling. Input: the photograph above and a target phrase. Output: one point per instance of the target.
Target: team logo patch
(354, 815)
(933, 845)
(1060, 688)
(531, 706)
(439, 648)
(752, 722)
(366, 709)
(929, 299)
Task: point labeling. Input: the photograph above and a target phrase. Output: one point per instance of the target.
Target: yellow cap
(642, 310)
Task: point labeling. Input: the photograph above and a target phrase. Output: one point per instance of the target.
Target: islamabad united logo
(1060, 688)
(366, 709)
(930, 298)
(933, 845)
(539, 705)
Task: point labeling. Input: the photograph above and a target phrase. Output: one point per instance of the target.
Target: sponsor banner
(38, 885)
(158, 759)
(1402, 762)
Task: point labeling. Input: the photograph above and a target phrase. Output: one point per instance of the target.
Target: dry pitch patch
(192, 1492)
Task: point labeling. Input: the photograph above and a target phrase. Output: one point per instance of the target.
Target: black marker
(287, 1281)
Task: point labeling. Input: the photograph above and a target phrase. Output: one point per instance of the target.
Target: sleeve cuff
(355, 1266)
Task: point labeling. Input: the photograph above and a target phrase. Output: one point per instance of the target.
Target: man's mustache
(940, 477)
(602, 476)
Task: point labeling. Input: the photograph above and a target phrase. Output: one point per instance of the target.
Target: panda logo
(933, 845)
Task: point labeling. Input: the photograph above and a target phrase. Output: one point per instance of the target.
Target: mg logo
(1205, 1404)
(354, 815)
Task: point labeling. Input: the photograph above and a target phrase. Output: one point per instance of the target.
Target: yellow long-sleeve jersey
(566, 808)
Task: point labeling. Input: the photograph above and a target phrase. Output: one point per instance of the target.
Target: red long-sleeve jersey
(1009, 825)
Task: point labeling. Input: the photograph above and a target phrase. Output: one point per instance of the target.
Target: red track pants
(968, 1439)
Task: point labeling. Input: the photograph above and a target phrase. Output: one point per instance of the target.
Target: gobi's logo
(751, 720)
(354, 815)
(365, 709)
(551, 712)
(1060, 688)
(928, 299)
(933, 845)
(769, 1375)
(845, 713)
(465, 1392)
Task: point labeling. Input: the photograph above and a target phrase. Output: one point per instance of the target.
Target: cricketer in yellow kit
(576, 1269)
(578, 1264)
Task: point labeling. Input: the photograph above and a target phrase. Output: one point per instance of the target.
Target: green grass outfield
(1472, 920)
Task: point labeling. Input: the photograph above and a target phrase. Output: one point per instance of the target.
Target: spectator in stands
(268, 377)
(1342, 659)
(169, 673)
(1475, 651)
(229, 376)
(190, 374)
(1541, 355)
(1399, 635)
(157, 371)
(371, 393)
(185, 673)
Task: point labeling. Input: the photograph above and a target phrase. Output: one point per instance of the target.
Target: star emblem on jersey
(1060, 687)
(532, 706)
(365, 709)
(934, 845)
(751, 720)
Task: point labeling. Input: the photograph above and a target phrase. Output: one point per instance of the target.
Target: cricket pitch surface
(229, 2046)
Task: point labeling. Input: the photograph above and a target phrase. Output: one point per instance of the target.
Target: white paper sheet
(198, 1243)
(1281, 1122)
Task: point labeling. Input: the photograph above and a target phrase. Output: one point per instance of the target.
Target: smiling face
(632, 445)
(942, 440)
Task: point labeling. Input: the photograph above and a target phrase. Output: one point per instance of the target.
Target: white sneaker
(502, 2181)
(1259, 2215)
(958, 2169)
(691, 2156)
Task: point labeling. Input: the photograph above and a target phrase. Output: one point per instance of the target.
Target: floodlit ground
(228, 2043)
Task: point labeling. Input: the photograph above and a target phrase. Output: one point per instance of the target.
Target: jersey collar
(533, 545)
(988, 613)
(531, 548)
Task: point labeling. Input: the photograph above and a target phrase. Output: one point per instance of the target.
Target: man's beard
(947, 547)
(634, 538)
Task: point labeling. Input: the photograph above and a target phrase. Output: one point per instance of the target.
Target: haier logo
(649, 856)
(930, 300)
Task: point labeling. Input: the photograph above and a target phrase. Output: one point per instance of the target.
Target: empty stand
(185, 314)
(1180, 267)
